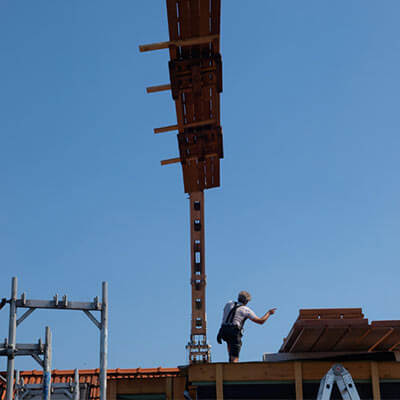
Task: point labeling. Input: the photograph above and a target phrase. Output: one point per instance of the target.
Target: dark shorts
(232, 335)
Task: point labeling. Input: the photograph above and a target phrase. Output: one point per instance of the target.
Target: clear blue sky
(308, 214)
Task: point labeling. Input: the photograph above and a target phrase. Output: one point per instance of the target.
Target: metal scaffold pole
(12, 329)
(76, 385)
(104, 342)
(47, 366)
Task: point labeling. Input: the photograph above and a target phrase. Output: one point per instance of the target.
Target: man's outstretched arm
(261, 320)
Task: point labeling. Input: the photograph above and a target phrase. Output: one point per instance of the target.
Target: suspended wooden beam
(177, 159)
(158, 88)
(166, 129)
(170, 128)
(188, 42)
(170, 161)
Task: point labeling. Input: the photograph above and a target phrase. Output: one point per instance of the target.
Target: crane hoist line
(195, 70)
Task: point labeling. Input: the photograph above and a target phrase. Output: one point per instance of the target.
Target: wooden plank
(329, 339)
(290, 338)
(208, 172)
(386, 335)
(278, 357)
(349, 340)
(375, 381)
(141, 386)
(112, 389)
(188, 112)
(215, 23)
(173, 26)
(389, 370)
(170, 161)
(168, 128)
(391, 342)
(356, 327)
(387, 324)
(219, 381)
(331, 323)
(179, 383)
(394, 346)
(158, 88)
(154, 46)
(200, 123)
(330, 313)
(186, 23)
(168, 388)
(195, 17)
(374, 337)
(179, 43)
(215, 16)
(216, 106)
(297, 339)
(298, 377)
(242, 372)
(284, 371)
(217, 176)
(308, 339)
(204, 17)
(315, 370)
(172, 20)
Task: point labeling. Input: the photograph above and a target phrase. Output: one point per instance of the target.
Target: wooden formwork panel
(326, 330)
(196, 84)
(201, 174)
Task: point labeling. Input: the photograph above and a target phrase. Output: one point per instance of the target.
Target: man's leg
(231, 357)
(236, 345)
(234, 350)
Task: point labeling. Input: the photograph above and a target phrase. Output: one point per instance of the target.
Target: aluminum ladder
(344, 381)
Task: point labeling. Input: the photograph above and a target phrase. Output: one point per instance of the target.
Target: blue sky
(308, 211)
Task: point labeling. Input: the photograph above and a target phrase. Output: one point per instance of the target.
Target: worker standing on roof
(234, 317)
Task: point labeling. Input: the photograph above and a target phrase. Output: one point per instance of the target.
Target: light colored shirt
(241, 314)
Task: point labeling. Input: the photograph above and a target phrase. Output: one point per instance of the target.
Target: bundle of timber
(195, 70)
(340, 330)
(196, 82)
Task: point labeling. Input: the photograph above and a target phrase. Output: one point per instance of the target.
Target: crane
(195, 70)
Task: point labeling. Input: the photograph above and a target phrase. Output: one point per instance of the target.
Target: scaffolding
(12, 349)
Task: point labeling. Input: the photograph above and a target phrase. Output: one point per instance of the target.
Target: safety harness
(229, 319)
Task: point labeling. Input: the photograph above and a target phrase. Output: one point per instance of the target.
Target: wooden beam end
(170, 161)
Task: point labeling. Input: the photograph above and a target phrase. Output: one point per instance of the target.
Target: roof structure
(91, 377)
(340, 330)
